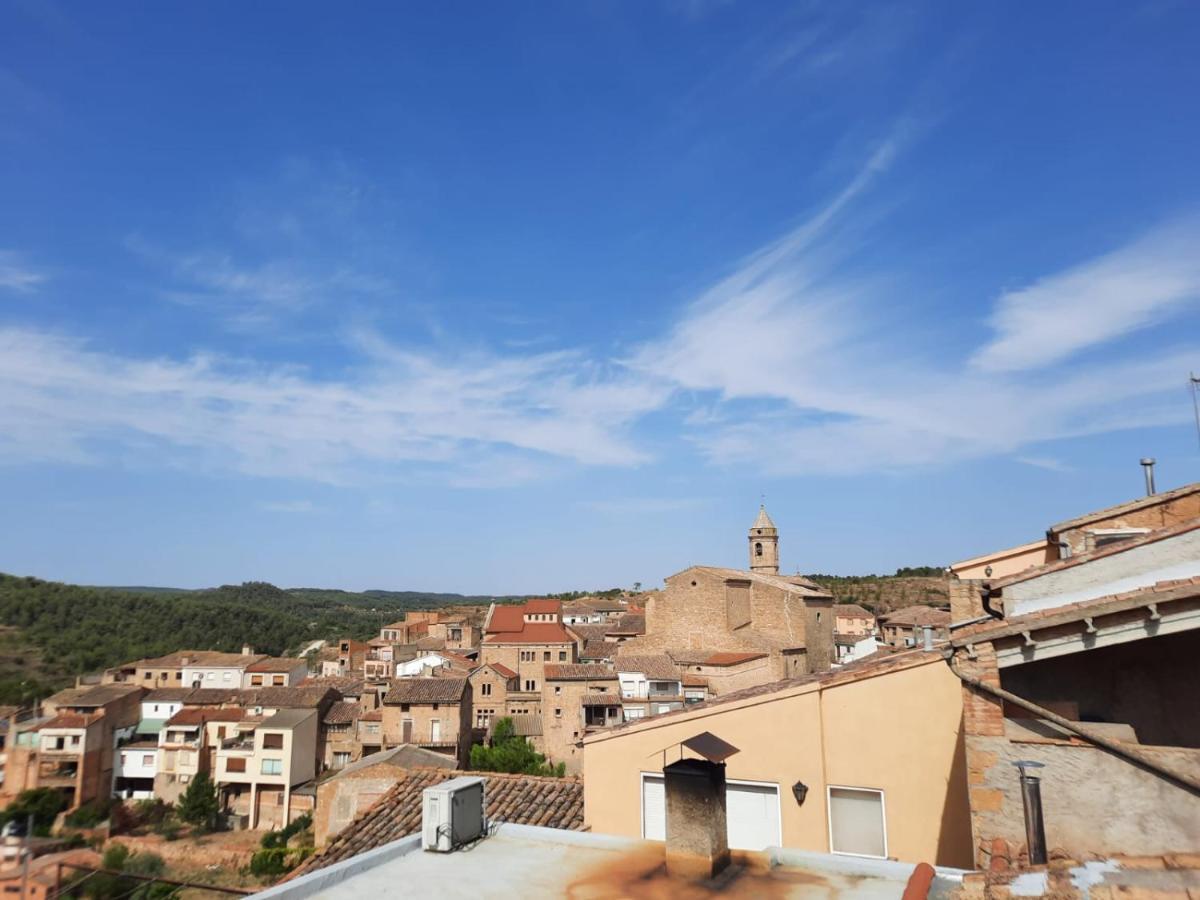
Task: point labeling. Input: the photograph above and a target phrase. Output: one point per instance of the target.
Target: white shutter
(856, 822)
(752, 815)
(654, 808)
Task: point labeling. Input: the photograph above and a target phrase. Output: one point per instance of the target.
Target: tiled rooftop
(520, 799)
(578, 672)
(426, 690)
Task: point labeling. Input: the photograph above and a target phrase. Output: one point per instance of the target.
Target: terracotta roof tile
(275, 664)
(506, 618)
(630, 623)
(589, 632)
(1129, 506)
(654, 666)
(426, 690)
(199, 715)
(578, 672)
(343, 712)
(533, 633)
(731, 659)
(851, 611)
(70, 720)
(517, 799)
(599, 650)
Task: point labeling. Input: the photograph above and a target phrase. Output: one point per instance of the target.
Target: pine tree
(199, 806)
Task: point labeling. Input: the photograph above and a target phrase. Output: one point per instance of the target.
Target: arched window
(758, 548)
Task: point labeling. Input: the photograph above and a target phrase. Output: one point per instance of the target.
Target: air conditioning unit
(453, 814)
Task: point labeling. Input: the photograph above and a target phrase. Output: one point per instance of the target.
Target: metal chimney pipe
(1148, 468)
(1031, 799)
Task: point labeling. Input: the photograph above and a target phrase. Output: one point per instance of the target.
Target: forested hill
(883, 593)
(55, 631)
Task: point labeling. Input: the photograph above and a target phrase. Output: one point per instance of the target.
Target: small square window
(557, 712)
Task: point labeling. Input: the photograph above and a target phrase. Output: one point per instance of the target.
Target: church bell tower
(764, 544)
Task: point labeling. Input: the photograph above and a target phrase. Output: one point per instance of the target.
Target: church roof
(763, 520)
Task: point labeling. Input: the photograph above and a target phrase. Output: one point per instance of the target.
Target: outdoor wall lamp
(799, 791)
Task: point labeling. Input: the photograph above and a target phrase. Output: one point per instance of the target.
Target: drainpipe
(1184, 780)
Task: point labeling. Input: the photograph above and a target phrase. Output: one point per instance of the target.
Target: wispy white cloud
(1045, 462)
(62, 399)
(790, 363)
(16, 274)
(1105, 298)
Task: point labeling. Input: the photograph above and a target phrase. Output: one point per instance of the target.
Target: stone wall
(1095, 804)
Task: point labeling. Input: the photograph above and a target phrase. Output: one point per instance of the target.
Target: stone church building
(707, 608)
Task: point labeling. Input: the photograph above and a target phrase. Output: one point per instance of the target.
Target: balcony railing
(238, 744)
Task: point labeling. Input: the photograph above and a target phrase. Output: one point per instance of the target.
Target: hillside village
(1073, 654)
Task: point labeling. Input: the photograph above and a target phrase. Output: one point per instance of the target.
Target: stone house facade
(569, 710)
(433, 713)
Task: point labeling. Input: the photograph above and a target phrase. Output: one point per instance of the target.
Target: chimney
(928, 635)
(247, 650)
(697, 832)
(1148, 468)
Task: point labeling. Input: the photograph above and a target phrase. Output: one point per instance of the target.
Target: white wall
(213, 676)
(161, 709)
(1137, 567)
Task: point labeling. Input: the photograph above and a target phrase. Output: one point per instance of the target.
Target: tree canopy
(509, 752)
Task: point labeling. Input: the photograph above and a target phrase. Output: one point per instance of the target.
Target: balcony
(238, 744)
(57, 776)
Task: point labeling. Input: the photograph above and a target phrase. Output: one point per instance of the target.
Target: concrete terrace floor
(538, 862)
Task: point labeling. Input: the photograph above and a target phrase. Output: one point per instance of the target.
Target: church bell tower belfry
(764, 544)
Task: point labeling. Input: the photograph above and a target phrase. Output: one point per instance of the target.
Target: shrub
(90, 814)
(145, 863)
(269, 862)
(115, 857)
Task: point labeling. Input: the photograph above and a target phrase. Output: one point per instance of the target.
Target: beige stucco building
(817, 737)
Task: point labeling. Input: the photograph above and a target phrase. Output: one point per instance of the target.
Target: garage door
(751, 813)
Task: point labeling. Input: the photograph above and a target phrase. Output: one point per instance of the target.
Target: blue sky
(530, 297)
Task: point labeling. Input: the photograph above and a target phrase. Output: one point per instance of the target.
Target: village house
(354, 789)
(724, 672)
(707, 608)
(274, 671)
(577, 612)
(261, 762)
(852, 620)
(490, 687)
(351, 656)
(434, 713)
(210, 668)
(340, 726)
(906, 627)
(525, 639)
(808, 773)
(186, 747)
(576, 698)
(74, 747)
(650, 685)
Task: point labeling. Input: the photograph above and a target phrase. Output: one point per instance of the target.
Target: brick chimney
(697, 835)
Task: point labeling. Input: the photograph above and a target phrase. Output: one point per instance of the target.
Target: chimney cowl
(1148, 468)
